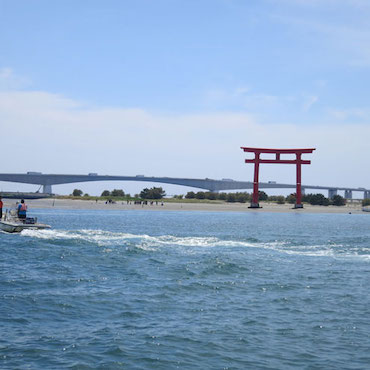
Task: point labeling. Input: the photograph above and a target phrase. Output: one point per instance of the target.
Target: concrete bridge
(47, 180)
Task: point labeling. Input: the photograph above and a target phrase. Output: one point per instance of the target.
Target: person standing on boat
(22, 209)
(1, 208)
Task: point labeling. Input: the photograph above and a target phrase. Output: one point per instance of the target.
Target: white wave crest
(190, 243)
(107, 237)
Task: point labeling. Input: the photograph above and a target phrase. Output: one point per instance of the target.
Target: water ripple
(166, 290)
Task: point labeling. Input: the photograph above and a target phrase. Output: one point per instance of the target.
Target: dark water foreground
(194, 290)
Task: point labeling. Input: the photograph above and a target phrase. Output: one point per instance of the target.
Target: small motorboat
(10, 223)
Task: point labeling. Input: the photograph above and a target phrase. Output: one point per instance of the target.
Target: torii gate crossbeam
(298, 161)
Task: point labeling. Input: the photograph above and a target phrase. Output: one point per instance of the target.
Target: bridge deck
(47, 180)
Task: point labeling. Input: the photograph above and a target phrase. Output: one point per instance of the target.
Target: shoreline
(78, 204)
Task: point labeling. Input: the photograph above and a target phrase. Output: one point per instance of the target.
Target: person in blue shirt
(22, 209)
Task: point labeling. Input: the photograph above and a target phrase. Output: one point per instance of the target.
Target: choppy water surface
(166, 290)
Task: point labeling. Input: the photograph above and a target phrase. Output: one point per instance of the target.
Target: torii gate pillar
(298, 161)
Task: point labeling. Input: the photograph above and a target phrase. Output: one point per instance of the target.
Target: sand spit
(209, 207)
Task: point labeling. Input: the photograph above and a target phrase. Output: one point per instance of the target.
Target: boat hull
(14, 227)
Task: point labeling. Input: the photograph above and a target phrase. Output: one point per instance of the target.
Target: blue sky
(174, 88)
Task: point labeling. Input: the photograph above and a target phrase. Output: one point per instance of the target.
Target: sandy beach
(354, 208)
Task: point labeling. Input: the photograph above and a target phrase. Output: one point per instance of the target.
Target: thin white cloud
(309, 102)
(354, 113)
(350, 39)
(10, 81)
(231, 96)
(261, 104)
(243, 97)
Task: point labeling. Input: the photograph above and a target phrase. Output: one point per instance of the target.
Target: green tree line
(238, 197)
(243, 197)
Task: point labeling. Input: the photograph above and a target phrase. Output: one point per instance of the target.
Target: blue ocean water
(188, 290)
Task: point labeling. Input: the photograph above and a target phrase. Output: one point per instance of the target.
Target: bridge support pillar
(366, 194)
(303, 191)
(332, 193)
(348, 194)
(47, 189)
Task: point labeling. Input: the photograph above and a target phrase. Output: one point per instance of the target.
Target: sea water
(187, 290)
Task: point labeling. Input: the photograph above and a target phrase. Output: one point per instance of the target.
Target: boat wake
(193, 244)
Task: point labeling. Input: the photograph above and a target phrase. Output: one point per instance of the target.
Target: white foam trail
(107, 237)
(191, 243)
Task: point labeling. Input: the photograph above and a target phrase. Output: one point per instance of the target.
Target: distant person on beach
(1, 209)
(22, 209)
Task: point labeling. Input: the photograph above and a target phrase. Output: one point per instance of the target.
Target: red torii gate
(257, 160)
